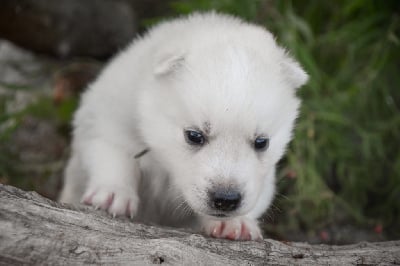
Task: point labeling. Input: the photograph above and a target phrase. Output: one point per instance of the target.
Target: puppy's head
(219, 119)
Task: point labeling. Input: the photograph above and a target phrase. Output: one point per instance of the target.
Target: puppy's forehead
(214, 118)
(230, 90)
(224, 108)
(207, 127)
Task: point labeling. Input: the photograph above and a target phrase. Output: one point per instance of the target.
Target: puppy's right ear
(293, 72)
(169, 64)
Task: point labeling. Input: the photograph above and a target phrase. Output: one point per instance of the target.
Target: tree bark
(35, 230)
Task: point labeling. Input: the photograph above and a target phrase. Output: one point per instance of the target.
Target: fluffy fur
(209, 72)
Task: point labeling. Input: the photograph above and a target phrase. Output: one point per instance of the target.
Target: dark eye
(194, 137)
(261, 143)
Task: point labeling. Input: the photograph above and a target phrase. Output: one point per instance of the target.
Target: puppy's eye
(194, 137)
(261, 143)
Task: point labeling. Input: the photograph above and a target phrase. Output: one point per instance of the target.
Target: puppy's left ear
(293, 72)
(168, 64)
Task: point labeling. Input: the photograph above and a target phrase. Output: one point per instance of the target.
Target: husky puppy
(185, 127)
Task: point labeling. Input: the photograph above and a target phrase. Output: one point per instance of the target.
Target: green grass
(42, 108)
(346, 146)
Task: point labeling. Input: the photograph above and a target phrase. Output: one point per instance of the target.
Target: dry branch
(35, 230)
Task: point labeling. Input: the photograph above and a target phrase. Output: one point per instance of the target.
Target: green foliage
(244, 9)
(42, 108)
(45, 108)
(345, 159)
(348, 134)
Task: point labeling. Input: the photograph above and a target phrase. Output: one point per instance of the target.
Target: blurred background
(340, 180)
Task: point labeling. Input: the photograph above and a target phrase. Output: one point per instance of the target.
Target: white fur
(207, 71)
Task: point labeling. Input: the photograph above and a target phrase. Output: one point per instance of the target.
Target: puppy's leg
(113, 178)
(238, 228)
(74, 181)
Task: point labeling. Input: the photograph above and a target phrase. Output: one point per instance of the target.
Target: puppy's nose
(225, 200)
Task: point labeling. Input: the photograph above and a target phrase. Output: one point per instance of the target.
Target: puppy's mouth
(219, 215)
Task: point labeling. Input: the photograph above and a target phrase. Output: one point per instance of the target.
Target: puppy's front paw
(240, 228)
(115, 200)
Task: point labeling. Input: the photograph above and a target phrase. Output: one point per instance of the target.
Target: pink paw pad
(117, 204)
(235, 229)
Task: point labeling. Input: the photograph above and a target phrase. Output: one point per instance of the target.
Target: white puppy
(185, 126)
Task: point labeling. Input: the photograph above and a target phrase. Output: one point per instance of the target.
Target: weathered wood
(35, 230)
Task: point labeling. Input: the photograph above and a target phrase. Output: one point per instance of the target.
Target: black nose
(225, 200)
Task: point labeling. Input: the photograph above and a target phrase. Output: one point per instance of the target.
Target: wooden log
(37, 231)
